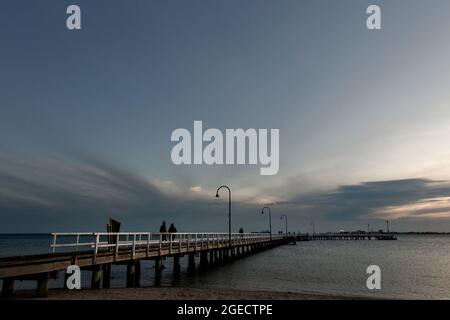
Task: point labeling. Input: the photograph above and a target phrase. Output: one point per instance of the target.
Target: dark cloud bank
(80, 194)
(360, 201)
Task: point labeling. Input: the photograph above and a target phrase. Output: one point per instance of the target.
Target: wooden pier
(98, 251)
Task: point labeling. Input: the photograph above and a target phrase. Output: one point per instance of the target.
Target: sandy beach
(178, 293)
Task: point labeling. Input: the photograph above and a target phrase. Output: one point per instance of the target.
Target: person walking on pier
(172, 229)
(163, 230)
(241, 232)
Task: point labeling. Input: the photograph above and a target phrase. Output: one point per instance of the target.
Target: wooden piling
(203, 259)
(107, 276)
(96, 278)
(7, 287)
(191, 262)
(131, 274)
(158, 271)
(232, 253)
(137, 273)
(176, 264)
(42, 285)
(66, 277)
(216, 256)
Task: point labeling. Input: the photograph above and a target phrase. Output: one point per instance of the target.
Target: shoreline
(179, 293)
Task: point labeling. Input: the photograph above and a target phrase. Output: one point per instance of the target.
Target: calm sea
(411, 267)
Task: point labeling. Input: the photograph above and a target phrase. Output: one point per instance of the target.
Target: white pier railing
(174, 242)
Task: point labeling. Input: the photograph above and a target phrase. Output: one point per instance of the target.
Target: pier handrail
(98, 241)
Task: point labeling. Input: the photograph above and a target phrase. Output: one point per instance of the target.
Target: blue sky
(86, 116)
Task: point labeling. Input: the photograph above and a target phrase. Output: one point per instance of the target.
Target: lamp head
(217, 195)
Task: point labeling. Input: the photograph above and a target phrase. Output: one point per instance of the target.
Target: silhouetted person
(241, 232)
(172, 229)
(163, 230)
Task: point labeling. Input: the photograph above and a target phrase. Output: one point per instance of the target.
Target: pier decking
(98, 251)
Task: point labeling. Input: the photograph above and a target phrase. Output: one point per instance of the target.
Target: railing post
(54, 242)
(149, 235)
(97, 239)
(134, 246)
(78, 241)
(116, 254)
(170, 246)
(160, 243)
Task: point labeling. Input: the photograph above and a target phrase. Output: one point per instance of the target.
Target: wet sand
(172, 293)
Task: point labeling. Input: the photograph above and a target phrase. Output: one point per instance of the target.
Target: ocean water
(411, 267)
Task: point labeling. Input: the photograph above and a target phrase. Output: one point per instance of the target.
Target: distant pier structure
(345, 236)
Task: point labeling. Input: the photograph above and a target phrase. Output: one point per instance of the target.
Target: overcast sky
(86, 116)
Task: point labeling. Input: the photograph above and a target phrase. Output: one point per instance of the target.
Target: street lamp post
(229, 211)
(314, 228)
(285, 218)
(387, 225)
(270, 220)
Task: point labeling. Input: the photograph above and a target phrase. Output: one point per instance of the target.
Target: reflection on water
(411, 267)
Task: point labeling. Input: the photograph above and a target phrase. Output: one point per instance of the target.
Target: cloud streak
(395, 199)
(80, 192)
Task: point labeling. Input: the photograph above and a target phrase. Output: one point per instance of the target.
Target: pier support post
(106, 276)
(158, 269)
(66, 277)
(7, 287)
(211, 257)
(42, 285)
(216, 257)
(176, 264)
(203, 260)
(96, 277)
(191, 262)
(230, 253)
(137, 274)
(131, 274)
